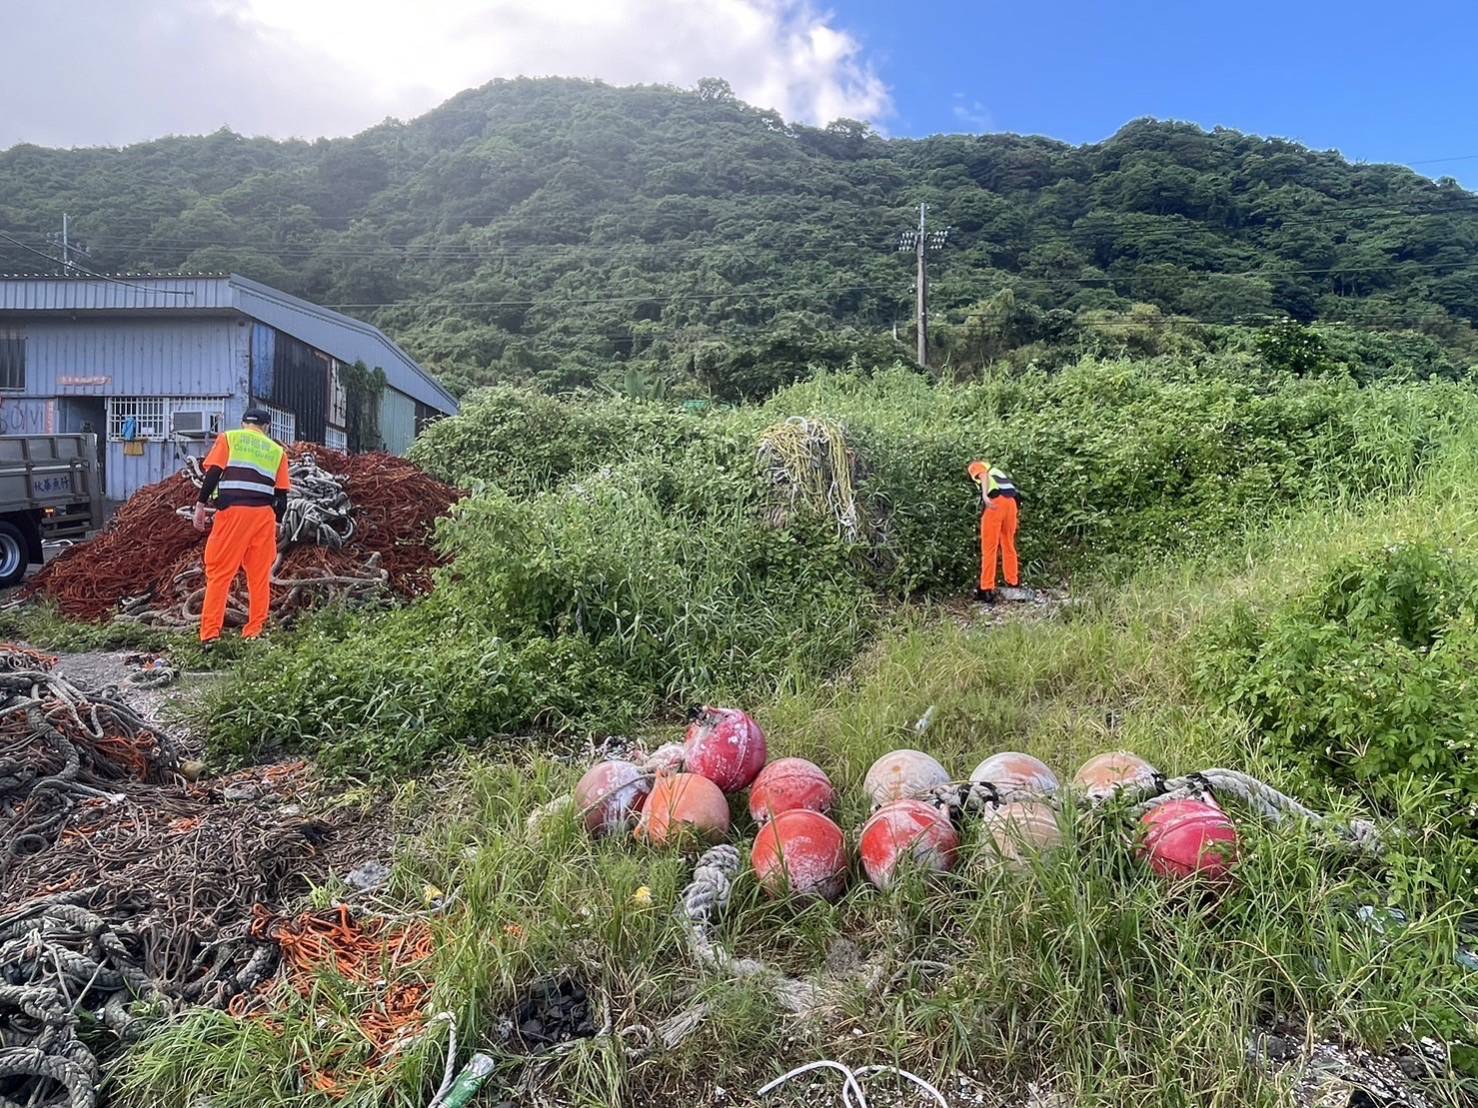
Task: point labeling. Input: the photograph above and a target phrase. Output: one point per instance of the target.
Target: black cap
(257, 415)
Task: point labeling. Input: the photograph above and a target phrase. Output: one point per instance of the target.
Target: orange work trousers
(998, 535)
(240, 538)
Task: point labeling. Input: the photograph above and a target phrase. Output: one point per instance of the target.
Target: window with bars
(284, 425)
(335, 438)
(338, 396)
(12, 359)
(137, 418)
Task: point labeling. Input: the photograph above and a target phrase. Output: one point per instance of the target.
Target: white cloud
(311, 67)
(973, 114)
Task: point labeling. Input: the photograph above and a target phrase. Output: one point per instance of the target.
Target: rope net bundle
(809, 463)
(358, 528)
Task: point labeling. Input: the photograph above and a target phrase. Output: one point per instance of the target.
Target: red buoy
(683, 806)
(1012, 772)
(903, 775)
(725, 746)
(802, 853)
(1185, 838)
(1104, 773)
(610, 796)
(1024, 827)
(906, 829)
(788, 784)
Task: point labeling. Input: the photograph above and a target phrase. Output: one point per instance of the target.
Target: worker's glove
(202, 518)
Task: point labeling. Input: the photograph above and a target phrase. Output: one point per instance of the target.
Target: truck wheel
(13, 555)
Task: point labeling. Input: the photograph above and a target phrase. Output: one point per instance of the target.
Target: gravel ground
(165, 709)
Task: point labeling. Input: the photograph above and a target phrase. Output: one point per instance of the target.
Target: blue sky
(1379, 82)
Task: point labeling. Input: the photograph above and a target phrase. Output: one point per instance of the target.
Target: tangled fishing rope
(59, 961)
(60, 745)
(808, 462)
(319, 513)
(1151, 790)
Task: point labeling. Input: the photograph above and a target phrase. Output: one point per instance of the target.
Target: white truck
(50, 488)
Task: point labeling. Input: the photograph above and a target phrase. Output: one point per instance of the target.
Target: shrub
(1369, 679)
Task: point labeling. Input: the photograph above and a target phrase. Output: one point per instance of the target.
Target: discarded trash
(556, 1010)
(906, 830)
(725, 746)
(1013, 772)
(926, 720)
(610, 796)
(368, 876)
(468, 1081)
(903, 774)
(801, 853)
(683, 805)
(787, 784)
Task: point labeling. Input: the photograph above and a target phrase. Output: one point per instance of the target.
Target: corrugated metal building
(157, 365)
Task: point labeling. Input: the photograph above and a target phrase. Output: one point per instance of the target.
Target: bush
(621, 558)
(1370, 679)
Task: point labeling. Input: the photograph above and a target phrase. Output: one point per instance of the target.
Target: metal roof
(346, 338)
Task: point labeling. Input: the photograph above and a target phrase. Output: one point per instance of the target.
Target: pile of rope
(358, 528)
(61, 747)
(809, 464)
(61, 964)
(363, 952)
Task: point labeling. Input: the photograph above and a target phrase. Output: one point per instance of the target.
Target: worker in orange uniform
(1000, 505)
(246, 473)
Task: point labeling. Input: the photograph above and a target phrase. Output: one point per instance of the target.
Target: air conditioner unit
(191, 424)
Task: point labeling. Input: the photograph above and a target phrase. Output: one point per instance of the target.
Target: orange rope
(361, 953)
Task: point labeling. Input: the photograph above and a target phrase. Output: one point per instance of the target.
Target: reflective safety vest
(249, 477)
(998, 483)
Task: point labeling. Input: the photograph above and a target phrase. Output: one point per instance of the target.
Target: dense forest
(654, 240)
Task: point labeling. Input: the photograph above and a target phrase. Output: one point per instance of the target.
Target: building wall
(74, 366)
(397, 421)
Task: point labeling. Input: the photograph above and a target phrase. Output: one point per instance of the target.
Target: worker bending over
(246, 473)
(1000, 504)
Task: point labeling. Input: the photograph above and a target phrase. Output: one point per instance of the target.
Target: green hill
(568, 233)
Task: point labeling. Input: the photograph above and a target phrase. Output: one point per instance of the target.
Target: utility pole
(921, 242)
(64, 243)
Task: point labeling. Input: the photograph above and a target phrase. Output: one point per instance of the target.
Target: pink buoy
(1186, 838)
(610, 795)
(1021, 828)
(906, 830)
(1104, 773)
(683, 806)
(725, 746)
(802, 853)
(903, 775)
(1012, 772)
(788, 784)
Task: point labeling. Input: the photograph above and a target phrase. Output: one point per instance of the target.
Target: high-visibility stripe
(249, 477)
(246, 486)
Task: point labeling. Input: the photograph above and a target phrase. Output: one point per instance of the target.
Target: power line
(99, 276)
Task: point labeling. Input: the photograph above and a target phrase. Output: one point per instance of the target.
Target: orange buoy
(1103, 773)
(1018, 829)
(725, 746)
(610, 795)
(1186, 838)
(802, 853)
(683, 806)
(906, 830)
(1012, 772)
(788, 784)
(903, 775)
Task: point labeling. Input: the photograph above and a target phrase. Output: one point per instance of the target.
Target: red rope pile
(147, 545)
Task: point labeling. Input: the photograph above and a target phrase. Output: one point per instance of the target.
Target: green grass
(1084, 972)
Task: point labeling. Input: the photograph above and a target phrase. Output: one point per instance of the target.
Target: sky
(1377, 81)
